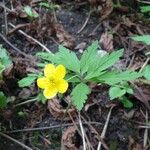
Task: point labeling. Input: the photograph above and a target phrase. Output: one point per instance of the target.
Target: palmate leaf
(79, 95)
(102, 63)
(144, 38)
(68, 59)
(88, 56)
(50, 57)
(114, 77)
(64, 57)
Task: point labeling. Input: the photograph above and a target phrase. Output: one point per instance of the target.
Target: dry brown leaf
(106, 42)
(58, 111)
(104, 7)
(63, 36)
(142, 93)
(67, 139)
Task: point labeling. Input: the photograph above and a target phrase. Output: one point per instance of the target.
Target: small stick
(146, 132)
(5, 18)
(144, 127)
(48, 128)
(31, 38)
(85, 23)
(105, 128)
(145, 63)
(11, 45)
(145, 2)
(82, 132)
(16, 141)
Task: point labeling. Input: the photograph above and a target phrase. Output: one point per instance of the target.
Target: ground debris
(142, 93)
(67, 138)
(57, 110)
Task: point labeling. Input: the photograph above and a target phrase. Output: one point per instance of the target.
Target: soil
(123, 132)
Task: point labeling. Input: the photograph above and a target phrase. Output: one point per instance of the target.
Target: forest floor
(74, 24)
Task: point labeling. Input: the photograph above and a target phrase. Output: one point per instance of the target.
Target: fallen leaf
(63, 36)
(57, 110)
(67, 138)
(106, 42)
(142, 93)
(103, 7)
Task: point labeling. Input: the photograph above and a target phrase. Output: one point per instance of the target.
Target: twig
(25, 102)
(145, 2)
(94, 30)
(90, 146)
(5, 18)
(85, 23)
(145, 63)
(16, 141)
(11, 45)
(144, 127)
(82, 132)
(48, 128)
(146, 132)
(105, 128)
(31, 38)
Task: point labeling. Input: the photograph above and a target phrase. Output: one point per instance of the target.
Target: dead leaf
(142, 93)
(67, 138)
(58, 111)
(63, 36)
(106, 42)
(103, 7)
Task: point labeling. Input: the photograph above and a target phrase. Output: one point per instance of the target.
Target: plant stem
(25, 102)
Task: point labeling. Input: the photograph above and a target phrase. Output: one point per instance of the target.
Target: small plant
(49, 6)
(30, 13)
(5, 62)
(65, 68)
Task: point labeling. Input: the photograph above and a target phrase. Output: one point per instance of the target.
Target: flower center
(52, 82)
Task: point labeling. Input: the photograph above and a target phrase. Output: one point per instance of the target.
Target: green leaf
(3, 100)
(50, 57)
(72, 78)
(88, 56)
(4, 57)
(126, 102)
(129, 91)
(102, 63)
(145, 9)
(114, 77)
(146, 72)
(79, 95)
(27, 81)
(49, 6)
(68, 59)
(143, 38)
(41, 98)
(116, 92)
(28, 10)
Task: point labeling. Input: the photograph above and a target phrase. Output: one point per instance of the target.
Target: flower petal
(50, 92)
(43, 82)
(62, 86)
(60, 72)
(49, 70)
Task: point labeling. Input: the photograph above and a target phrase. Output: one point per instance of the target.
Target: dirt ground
(75, 24)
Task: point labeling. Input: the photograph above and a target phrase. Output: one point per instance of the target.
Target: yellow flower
(53, 81)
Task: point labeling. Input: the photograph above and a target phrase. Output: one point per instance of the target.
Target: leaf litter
(50, 32)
